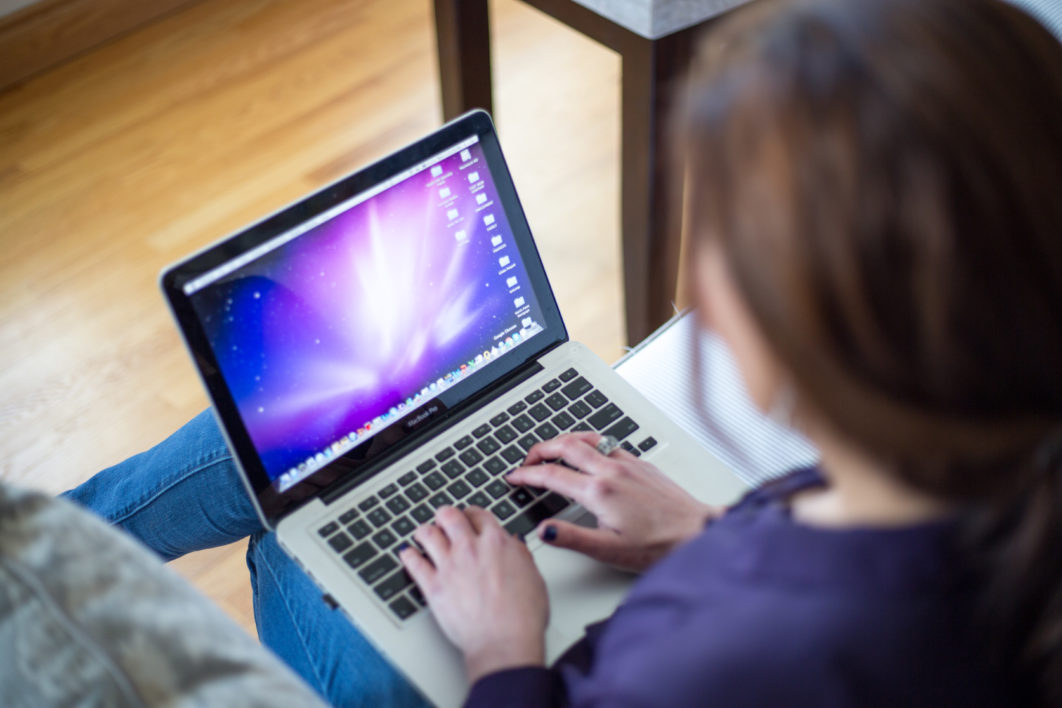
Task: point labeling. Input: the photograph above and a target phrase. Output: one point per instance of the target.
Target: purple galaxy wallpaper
(332, 329)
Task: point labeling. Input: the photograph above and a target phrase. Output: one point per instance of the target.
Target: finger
(419, 568)
(576, 450)
(598, 543)
(434, 542)
(455, 524)
(552, 477)
(481, 519)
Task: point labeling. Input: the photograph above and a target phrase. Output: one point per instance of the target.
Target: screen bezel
(361, 461)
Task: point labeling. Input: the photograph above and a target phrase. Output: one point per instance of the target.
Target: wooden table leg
(650, 191)
(462, 33)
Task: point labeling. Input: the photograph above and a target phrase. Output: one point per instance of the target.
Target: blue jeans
(185, 495)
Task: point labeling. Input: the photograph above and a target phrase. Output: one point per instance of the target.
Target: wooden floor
(140, 152)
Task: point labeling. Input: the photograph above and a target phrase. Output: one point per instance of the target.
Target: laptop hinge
(498, 389)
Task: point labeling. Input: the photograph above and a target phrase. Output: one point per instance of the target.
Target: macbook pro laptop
(389, 345)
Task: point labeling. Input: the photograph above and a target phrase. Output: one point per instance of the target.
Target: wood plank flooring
(150, 147)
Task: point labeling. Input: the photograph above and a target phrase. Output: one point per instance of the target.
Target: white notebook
(725, 420)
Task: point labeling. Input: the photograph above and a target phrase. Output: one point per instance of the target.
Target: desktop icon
(488, 219)
(518, 302)
(511, 282)
(481, 198)
(460, 236)
(495, 240)
(466, 156)
(504, 261)
(436, 171)
(444, 193)
(473, 176)
(452, 214)
(526, 322)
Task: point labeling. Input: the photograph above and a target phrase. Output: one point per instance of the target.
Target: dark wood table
(650, 192)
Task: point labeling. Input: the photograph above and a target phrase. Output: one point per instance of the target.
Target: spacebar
(546, 507)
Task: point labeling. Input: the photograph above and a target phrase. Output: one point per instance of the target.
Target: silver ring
(607, 445)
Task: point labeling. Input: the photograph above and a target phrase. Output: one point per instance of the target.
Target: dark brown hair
(885, 179)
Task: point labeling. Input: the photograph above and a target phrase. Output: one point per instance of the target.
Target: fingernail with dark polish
(550, 534)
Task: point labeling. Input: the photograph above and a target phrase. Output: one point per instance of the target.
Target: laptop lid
(342, 330)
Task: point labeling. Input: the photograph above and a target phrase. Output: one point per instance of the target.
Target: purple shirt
(761, 610)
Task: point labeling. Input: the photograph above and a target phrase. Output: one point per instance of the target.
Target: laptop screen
(329, 333)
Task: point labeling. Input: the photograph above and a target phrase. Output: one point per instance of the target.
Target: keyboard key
(378, 517)
(403, 527)
(359, 529)
(523, 423)
(497, 489)
(464, 442)
(407, 479)
(513, 455)
(425, 467)
(569, 375)
(416, 492)
(521, 497)
(499, 419)
(440, 499)
(347, 516)
(562, 420)
(328, 529)
(479, 499)
(576, 388)
(378, 569)
(526, 522)
(506, 434)
(503, 510)
(546, 431)
(527, 442)
(579, 409)
(516, 408)
(488, 446)
(368, 503)
(417, 596)
(445, 454)
(395, 583)
(388, 491)
(534, 397)
(622, 429)
(403, 608)
(580, 426)
(384, 539)
(495, 466)
(435, 481)
(551, 386)
(477, 477)
(459, 489)
(595, 399)
(359, 555)
(398, 505)
(422, 514)
(605, 416)
(631, 448)
(340, 542)
(453, 469)
(556, 402)
(471, 457)
(540, 412)
(648, 444)
(482, 430)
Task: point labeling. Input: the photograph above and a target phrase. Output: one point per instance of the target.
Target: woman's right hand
(641, 514)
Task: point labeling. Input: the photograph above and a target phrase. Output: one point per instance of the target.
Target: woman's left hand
(484, 589)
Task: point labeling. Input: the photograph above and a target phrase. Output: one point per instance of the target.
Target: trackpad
(581, 592)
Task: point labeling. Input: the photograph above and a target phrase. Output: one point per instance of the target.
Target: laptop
(390, 344)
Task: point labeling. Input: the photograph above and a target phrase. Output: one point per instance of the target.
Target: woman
(875, 232)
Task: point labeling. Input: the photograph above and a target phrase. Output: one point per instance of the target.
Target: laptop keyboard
(469, 473)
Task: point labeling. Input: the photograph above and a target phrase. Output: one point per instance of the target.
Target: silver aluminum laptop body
(250, 309)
